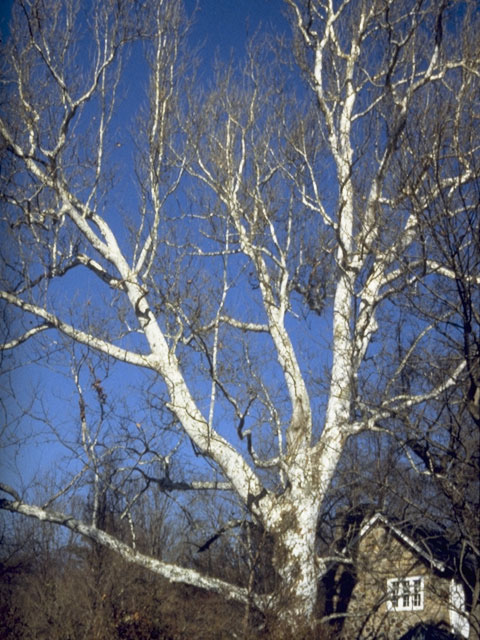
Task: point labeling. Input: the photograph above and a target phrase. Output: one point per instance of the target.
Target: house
(399, 585)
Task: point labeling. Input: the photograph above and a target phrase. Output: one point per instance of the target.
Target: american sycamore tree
(255, 262)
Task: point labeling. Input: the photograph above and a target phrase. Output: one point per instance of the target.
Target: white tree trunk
(294, 559)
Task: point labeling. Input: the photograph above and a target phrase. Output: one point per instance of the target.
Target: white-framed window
(405, 594)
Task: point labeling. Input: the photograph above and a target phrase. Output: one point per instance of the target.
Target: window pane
(394, 593)
(405, 593)
(417, 593)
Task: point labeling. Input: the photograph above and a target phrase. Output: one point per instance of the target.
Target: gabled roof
(420, 545)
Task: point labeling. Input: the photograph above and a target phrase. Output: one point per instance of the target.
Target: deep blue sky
(225, 24)
(5, 8)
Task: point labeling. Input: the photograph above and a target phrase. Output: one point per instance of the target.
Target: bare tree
(259, 275)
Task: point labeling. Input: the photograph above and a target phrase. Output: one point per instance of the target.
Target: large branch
(170, 572)
(166, 484)
(14, 342)
(82, 337)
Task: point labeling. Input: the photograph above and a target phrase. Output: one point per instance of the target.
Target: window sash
(405, 594)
